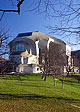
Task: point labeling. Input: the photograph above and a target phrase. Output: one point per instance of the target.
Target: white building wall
(37, 47)
(50, 40)
(21, 60)
(68, 53)
(36, 69)
(37, 51)
(32, 60)
(68, 50)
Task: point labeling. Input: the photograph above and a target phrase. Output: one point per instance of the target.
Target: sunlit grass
(29, 93)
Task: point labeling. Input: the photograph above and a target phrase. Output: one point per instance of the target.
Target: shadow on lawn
(33, 97)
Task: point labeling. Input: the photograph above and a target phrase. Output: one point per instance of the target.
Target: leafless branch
(19, 5)
(66, 12)
(2, 15)
(8, 10)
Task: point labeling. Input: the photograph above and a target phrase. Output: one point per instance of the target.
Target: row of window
(19, 47)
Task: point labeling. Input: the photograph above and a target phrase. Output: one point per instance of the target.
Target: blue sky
(26, 21)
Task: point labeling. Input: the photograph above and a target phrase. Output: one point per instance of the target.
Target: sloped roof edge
(37, 32)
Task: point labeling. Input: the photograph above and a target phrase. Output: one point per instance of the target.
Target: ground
(29, 93)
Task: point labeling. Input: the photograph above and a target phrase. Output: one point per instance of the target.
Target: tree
(19, 3)
(4, 41)
(53, 60)
(44, 66)
(65, 14)
(4, 33)
(6, 66)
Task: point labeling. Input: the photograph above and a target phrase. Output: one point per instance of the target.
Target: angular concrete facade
(26, 48)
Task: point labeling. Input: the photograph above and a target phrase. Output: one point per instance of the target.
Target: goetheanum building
(26, 50)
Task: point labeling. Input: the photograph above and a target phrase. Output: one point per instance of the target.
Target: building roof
(24, 34)
(43, 38)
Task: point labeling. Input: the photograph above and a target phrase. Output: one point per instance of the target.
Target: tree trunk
(45, 77)
(54, 81)
(42, 76)
(63, 82)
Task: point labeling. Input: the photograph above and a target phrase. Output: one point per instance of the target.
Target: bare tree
(4, 36)
(4, 33)
(44, 66)
(18, 4)
(5, 65)
(53, 60)
(64, 13)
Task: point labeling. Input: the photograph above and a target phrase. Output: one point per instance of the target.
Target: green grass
(29, 93)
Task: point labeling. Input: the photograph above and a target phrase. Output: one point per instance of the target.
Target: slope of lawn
(29, 93)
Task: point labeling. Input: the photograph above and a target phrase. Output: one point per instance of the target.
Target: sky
(27, 21)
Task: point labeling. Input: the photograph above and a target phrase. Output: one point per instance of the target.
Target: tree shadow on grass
(34, 97)
(33, 85)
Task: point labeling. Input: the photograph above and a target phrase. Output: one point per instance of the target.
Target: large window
(19, 47)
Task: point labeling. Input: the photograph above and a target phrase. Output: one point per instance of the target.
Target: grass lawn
(29, 93)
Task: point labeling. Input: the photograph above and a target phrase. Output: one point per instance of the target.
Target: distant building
(26, 48)
(76, 60)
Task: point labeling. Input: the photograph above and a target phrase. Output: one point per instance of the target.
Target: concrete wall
(24, 68)
(32, 60)
(68, 53)
(76, 70)
(32, 44)
(28, 44)
(28, 69)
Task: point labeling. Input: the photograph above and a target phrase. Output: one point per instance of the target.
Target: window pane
(19, 47)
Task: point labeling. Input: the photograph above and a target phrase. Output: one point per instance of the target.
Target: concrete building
(26, 48)
(76, 60)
